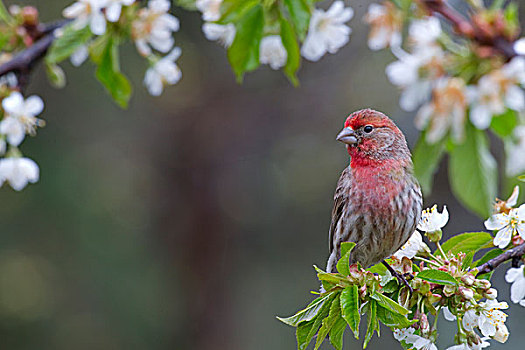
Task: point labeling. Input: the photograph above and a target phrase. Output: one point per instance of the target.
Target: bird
(378, 200)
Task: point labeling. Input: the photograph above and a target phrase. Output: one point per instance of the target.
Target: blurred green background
(189, 221)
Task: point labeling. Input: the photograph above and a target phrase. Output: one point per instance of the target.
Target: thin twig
(516, 252)
(22, 63)
(464, 27)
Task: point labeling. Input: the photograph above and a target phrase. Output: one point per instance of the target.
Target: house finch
(377, 202)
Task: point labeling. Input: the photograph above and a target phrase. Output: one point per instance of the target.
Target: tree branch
(468, 29)
(24, 61)
(511, 254)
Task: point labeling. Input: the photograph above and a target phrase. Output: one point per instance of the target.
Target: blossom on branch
(507, 224)
(432, 220)
(20, 117)
(327, 31)
(446, 111)
(414, 245)
(407, 335)
(272, 52)
(489, 318)
(154, 27)
(497, 91)
(222, 33)
(88, 12)
(164, 72)
(386, 22)
(517, 290)
(211, 9)
(114, 8)
(515, 152)
(18, 172)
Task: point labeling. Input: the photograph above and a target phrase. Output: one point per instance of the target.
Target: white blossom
(419, 342)
(20, 116)
(497, 91)
(432, 220)
(79, 56)
(424, 32)
(114, 8)
(414, 245)
(519, 46)
(416, 72)
(489, 319)
(515, 163)
(10, 80)
(223, 33)
(327, 31)
(517, 278)
(507, 224)
(164, 72)
(446, 110)
(88, 12)
(449, 316)
(272, 51)
(483, 344)
(154, 27)
(386, 22)
(18, 172)
(211, 9)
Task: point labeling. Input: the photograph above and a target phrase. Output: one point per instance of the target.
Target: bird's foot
(401, 278)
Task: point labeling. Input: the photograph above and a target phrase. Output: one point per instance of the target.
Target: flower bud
(29, 15)
(423, 322)
(473, 339)
(424, 288)
(434, 298)
(482, 284)
(362, 291)
(434, 236)
(491, 294)
(449, 290)
(466, 293)
(468, 279)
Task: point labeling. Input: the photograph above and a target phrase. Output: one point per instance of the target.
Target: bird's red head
(373, 139)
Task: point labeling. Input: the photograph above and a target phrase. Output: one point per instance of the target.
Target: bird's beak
(348, 136)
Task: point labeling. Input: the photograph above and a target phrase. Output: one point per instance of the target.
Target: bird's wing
(340, 200)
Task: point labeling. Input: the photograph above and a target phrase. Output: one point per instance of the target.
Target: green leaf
(55, 75)
(5, 16)
(503, 125)
(388, 303)
(337, 332)
(300, 12)
(186, 4)
(70, 40)
(472, 172)
(491, 254)
(307, 313)
(108, 73)
(303, 338)
(393, 319)
(426, 158)
(98, 47)
(521, 178)
(244, 52)
(292, 50)
(234, 10)
(350, 308)
(302, 334)
(343, 265)
(467, 261)
(437, 277)
(328, 322)
(372, 322)
(468, 242)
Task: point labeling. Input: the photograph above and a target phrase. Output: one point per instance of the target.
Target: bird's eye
(368, 128)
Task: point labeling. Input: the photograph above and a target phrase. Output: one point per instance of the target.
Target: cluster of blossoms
(463, 299)
(327, 33)
(509, 224)
(19, 118)
(436, 77)
(152, 28)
